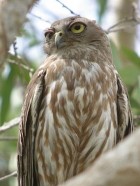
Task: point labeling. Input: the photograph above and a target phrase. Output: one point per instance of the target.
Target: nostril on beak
(59, 38)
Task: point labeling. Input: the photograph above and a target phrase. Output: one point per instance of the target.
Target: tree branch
(118, 167)
(6, 126)
(38, 17)
(20, 63)
(126, 23)
(72, 12)
(11, 20)
(7, 138)
(8, 176)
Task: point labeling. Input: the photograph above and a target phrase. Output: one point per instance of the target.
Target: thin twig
(38, 17)
(8, 176)
(72, 12)
(7, 138)
(126, 22)
(21, 65)
(12, 123)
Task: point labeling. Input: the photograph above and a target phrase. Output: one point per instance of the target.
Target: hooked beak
(59, 39)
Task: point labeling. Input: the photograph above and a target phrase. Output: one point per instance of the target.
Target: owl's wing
(28, 123)
(125, 121)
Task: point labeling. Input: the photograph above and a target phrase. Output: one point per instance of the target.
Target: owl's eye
(77, 28)
(49, 33)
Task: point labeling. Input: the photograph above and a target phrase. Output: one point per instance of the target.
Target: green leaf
(116, 58)
(136, 94)
(135, 106)
(129, 74)
(19, 71)
(23, 69)
(132, 56)
(6, 89)
(102, 4)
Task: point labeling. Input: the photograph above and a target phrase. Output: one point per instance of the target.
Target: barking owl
(75, 106)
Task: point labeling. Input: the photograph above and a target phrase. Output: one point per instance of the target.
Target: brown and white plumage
(75, 106)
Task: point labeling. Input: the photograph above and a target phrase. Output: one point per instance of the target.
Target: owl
(75, 108)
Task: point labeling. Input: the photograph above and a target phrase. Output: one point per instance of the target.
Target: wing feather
(28, 123)
(125, 121)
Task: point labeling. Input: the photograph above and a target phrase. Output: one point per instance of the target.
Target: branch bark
(120, 166)
(126, 23)
(12, 16)
(8, 176)
(6, 126)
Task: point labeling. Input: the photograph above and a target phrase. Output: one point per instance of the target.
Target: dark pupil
(77, 27)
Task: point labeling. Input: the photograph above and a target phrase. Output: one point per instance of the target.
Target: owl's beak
(59, 39)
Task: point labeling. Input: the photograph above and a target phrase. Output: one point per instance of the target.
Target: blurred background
(26, 54)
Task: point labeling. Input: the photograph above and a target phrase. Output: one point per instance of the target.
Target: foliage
(102, 5)
(130, 73)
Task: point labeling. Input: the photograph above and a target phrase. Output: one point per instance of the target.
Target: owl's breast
(77, 116)
(75, 88)
(77, 91)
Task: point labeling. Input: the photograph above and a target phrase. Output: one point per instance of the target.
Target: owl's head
(73, 33)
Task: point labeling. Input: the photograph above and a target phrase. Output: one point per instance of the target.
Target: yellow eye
(77, 28)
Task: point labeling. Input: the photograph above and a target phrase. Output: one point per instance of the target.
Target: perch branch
(119, 166)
